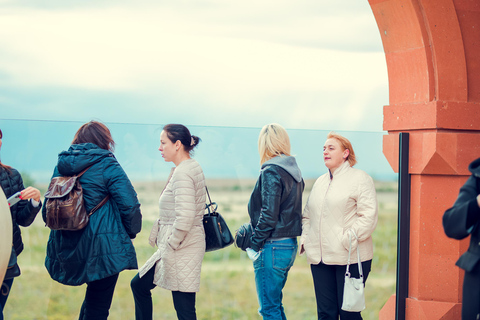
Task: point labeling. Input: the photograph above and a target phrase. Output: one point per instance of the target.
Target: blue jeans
(271, 270)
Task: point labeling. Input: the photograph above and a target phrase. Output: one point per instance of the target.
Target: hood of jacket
(474, 167)
(288, 163)
(79, 157)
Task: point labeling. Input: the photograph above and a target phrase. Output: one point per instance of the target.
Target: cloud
(236, 62)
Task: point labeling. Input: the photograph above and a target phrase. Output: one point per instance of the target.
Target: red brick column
(432, 50)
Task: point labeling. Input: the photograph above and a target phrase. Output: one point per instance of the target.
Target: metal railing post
(403, 231)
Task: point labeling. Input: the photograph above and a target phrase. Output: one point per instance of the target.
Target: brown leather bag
(65, 209)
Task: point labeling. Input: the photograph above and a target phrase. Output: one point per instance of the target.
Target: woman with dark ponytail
(178, 232)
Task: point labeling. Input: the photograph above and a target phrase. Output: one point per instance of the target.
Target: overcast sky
(313, 64)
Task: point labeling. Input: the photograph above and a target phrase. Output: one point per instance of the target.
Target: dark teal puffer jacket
(104, 247)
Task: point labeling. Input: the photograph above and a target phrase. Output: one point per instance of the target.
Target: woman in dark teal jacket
(96, 254)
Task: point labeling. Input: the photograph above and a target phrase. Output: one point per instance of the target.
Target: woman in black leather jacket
(23, 214)
(460, 221)
(275, 210)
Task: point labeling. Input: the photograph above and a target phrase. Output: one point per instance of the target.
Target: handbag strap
(211, 204)
(360, 271)
(208, 194)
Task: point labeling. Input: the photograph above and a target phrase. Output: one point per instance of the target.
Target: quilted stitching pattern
(180, 238)
(335, 206)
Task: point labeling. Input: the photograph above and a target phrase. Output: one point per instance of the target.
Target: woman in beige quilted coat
(342, 204)
(178, 232)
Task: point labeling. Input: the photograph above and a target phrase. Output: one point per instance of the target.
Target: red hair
(346, 145)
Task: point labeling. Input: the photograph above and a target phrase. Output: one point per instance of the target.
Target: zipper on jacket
(321, 215)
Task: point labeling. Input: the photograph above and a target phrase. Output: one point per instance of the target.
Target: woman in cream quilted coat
(342, 204)
(178, 232)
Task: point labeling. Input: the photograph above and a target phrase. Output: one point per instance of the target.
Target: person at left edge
(23, 214)
(96, 254)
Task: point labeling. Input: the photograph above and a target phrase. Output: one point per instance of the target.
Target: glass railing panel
(229, 158)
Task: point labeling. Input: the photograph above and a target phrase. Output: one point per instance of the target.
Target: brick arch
(432, 50)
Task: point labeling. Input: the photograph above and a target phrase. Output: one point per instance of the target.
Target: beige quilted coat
(336, 206)
(178, 232)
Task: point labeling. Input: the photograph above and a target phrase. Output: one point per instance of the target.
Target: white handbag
(353, 294)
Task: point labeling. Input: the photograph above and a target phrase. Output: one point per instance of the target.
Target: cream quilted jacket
(337, 205)
(178, 232)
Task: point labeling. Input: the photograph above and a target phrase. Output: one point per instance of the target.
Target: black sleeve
(459, 220)
(26, 212)
(271, 193)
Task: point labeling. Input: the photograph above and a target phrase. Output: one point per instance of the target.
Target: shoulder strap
(101, 202)
(84, 170)
(99, 205)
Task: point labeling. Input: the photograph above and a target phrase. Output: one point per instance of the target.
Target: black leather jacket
(463, 219)
(275, 206)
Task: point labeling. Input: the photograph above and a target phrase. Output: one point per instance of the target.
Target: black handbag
(217, 233)
(243, 236)
(13, 270)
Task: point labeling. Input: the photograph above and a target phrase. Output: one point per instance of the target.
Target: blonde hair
(345, 144)
(273, 141)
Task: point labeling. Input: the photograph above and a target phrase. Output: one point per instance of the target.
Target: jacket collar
(287, 163)
(341, 169)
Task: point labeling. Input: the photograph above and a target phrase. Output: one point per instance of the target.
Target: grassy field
(227, 287)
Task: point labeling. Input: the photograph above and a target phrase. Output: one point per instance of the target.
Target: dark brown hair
(97, 133)
(177, 132)
(1, 164)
